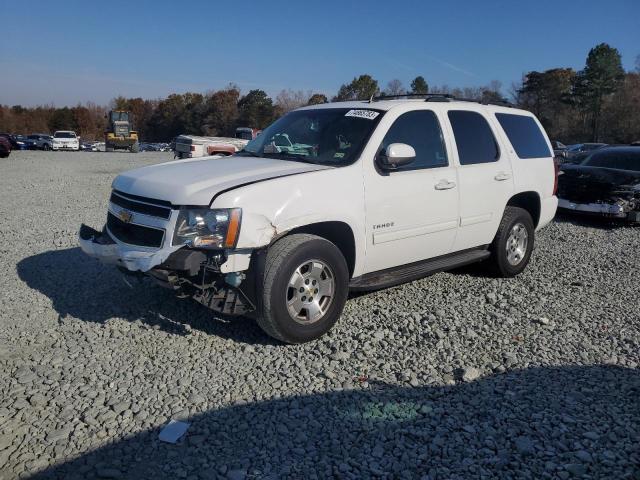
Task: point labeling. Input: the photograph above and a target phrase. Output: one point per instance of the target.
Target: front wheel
(135, 148)
(511, 249)
(305, 287)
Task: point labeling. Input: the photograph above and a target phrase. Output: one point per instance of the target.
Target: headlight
(206, 228)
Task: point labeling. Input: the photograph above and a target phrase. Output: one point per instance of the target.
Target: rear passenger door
(485, 178)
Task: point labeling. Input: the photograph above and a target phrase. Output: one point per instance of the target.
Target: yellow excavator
(120, 134)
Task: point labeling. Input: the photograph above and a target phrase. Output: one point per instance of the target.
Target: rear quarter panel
(531, 174)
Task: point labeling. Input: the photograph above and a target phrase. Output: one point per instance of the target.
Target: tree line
(601, 102)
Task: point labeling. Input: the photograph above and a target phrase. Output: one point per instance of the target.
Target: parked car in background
(247, 133)
(88, 147)
(573, 150)
(605, 183)
(558, 147)
(16, 141)
(65, 140)
(40, 141)
(5, 146)
(192, 146)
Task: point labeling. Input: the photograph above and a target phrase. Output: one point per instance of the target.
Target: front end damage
(222, 281)
(600, 191)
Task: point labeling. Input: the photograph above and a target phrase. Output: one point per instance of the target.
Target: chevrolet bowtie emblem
(126, 216)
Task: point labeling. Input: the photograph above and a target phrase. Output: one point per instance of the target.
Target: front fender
(273, 207)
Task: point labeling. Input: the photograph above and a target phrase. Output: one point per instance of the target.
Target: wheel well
(530, 201)
(338, 233)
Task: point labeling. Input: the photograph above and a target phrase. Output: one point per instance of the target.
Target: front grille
(134, 234)
(140, 206)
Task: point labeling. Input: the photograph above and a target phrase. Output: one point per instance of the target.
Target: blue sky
(65, 52)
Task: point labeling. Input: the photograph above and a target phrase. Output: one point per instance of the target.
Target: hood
(592, 184)
(197, 181)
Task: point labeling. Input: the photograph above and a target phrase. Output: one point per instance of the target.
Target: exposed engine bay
(597, 190)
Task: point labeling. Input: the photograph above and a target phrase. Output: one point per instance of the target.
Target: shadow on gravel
(556, 422)
(85, 289)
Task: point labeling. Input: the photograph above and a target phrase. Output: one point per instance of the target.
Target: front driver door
(412, 212)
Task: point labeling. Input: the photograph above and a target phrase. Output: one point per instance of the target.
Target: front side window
(421, 130)
(524, 134)
(328, 136)
(474, 138)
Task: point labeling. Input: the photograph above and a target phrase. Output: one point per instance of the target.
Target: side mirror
(396, 155)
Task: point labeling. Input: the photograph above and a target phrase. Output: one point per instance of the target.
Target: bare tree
(288, 100)
(395, 87)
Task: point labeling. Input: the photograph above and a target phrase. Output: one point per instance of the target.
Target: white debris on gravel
(92, 369)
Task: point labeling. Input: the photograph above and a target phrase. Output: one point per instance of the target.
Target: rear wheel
(305, 286)
(135, 148)
(511, 249)
(46, 147)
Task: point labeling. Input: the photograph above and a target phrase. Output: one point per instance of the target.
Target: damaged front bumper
(610, 210)
(100, 245)
(221, 281)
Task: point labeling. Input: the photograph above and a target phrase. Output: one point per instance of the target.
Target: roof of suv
(390, 104)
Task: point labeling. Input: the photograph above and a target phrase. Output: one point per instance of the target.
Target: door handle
(502, 176)
(444, 185)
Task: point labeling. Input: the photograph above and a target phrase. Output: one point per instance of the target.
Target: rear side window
(620, 159)
(474, 138)
(421, 130)
(525, 135)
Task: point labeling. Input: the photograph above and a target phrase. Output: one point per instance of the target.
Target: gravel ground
(454, 376)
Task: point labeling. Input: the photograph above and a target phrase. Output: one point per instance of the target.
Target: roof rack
(437, 97)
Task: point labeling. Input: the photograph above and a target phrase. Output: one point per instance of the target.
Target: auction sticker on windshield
(368, 114)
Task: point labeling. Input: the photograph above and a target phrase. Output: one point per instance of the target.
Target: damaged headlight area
(208, 228)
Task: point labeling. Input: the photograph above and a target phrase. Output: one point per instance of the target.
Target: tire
(305, 254)
(135, 148)
(46, 147)
(510, 254)
(108, 149)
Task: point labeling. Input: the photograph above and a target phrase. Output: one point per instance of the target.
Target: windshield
(119, 116)
(329, 136)
(618, 159)
(64, 135)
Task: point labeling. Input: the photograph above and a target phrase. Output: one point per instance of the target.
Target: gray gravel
(454, 376)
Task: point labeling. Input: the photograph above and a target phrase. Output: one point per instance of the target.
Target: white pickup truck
(193, 146)
(332, 197)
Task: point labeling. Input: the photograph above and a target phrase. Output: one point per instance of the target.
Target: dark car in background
(572, 151)
(17, 142)
(606, 183)
(558, 147)
(5, 146)
(39, 141)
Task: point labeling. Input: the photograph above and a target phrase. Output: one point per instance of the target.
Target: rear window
(474, 138)
(619, 159)
(525, 135)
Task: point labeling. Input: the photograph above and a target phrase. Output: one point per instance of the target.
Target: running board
(413, 271)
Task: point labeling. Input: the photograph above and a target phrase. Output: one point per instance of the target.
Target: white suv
(364, 195)
(65, 140)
